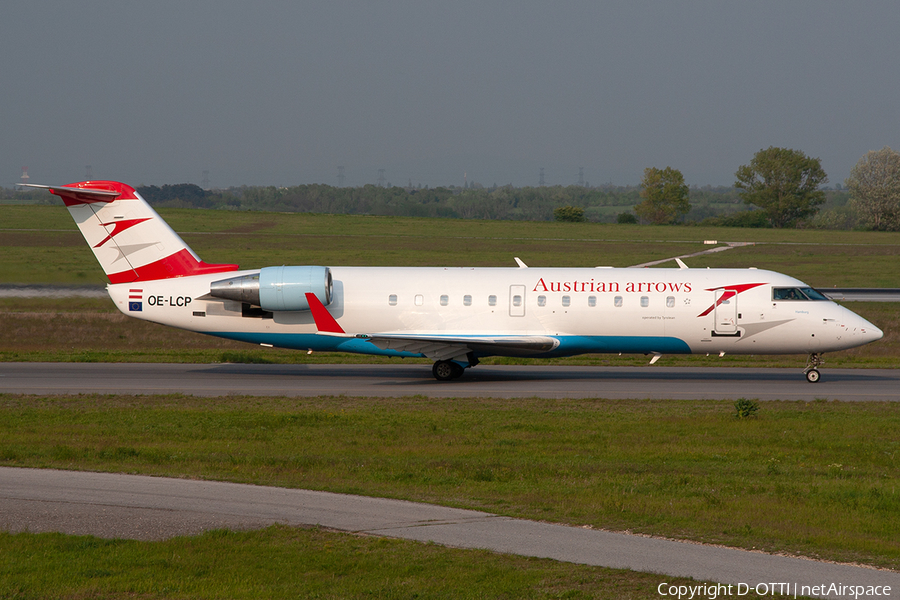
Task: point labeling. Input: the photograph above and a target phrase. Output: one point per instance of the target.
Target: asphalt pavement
(405, 379)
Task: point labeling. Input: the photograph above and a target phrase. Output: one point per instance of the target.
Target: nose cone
(854, 330)
(869, 332)
(864, 331)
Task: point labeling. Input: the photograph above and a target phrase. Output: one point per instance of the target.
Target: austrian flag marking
(135, 300)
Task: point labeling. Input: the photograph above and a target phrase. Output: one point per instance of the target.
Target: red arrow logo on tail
(119, 227)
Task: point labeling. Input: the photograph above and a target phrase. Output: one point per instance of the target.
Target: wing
(455, 347)
(437, 347)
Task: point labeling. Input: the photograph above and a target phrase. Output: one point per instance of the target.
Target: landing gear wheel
(813, 362)
(445, 370)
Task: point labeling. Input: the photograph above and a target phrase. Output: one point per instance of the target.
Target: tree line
(610, 204)
(598, 204)
(779, 187)
(785, 187)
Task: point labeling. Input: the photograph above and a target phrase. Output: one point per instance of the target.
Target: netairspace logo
(713, 591)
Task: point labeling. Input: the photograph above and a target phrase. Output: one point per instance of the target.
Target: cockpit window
(806, 293)
(814, 294)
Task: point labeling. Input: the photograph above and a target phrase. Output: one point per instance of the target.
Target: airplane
(453, 316)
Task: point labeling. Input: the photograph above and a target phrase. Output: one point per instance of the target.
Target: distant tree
(784, 183)
(747, 218)
(571, 214)
(187, 193)
(626, 218)
(874, 185)
(666, 196)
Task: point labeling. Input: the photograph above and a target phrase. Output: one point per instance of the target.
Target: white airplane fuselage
(666, 311)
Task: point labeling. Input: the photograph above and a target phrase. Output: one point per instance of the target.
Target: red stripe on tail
(180, 264)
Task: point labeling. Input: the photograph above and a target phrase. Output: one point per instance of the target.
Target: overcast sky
(282, 93)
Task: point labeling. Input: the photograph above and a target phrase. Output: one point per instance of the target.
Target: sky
(439, 93)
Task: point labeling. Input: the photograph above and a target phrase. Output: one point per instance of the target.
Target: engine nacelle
(277, 288)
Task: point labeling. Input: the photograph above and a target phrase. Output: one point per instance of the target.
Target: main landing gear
(445, 370)
(813, 362)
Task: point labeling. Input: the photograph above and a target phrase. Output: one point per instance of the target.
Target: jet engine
(277, 288)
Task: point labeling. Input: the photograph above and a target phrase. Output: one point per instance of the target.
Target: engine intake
(277, 288)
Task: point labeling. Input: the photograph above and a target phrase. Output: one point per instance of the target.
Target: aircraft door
(517, 300)
(726, 312)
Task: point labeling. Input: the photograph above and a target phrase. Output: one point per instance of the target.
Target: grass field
(291, 563)
(818, 479)
(40, 244)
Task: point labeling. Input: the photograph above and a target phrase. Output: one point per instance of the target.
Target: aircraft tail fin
(129, 239)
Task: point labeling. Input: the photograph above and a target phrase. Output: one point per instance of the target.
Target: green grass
(290, 563)
(40, 244)
(819, 478)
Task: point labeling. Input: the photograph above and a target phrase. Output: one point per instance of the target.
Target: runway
(148, 508)
(394, 380)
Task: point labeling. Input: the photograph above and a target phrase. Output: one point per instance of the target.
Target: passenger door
(726, 312)
(517, 300)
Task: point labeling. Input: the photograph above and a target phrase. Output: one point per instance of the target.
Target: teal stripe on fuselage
(605, 344)
(569, 345)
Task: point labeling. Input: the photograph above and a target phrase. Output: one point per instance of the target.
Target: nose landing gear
(813, 361)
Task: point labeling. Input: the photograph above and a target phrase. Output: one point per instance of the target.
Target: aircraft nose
(867, 331)
(872, 333)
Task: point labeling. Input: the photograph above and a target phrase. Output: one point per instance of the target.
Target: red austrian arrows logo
(730, 292)
(120, 226)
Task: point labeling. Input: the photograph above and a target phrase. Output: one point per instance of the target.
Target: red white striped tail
(129, 239)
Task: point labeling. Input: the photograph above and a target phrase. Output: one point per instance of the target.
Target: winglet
(520, 263)
(325, 323)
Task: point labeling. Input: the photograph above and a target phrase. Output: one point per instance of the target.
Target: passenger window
(467, 300)
(392, 299)
(542, 300)
(592, 300)
(617, 301)
(420, 299)
(492, 300)
(566, 300)
(445, 300)
(645, 301)
(670, 301)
